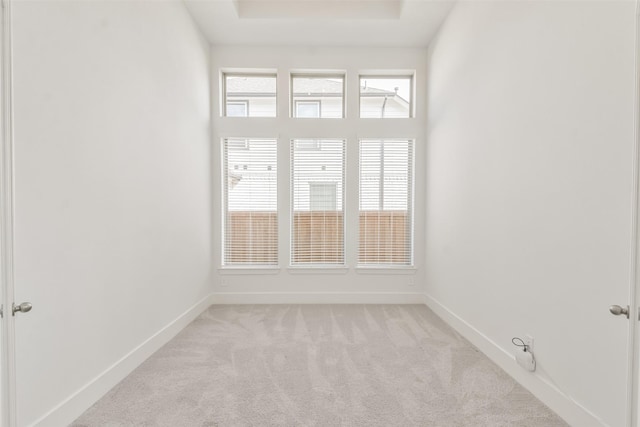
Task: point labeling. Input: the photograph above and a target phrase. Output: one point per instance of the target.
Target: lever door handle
(616, 310)
(25, 307)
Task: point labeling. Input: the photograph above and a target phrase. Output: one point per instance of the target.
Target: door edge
(633, 385)
(8, 383)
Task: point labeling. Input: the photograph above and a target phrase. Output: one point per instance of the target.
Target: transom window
(383, 97)
(249, 95)
(317, 96)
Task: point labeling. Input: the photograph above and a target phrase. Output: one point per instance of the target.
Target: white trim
(318, 269)
(317, 298)
(572, 412)
(72, 407)
(385, 269)
(7, 358)
(237, 269)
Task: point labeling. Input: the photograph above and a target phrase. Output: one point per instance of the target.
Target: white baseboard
(71, 408)
(570, 410)
(317, 298)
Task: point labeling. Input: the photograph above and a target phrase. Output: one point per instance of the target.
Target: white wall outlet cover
(528, 340)
(526, 360)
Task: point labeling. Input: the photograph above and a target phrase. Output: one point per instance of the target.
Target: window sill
(386, 269)
(248, 270)
(320, 269)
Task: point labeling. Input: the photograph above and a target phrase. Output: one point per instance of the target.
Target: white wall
(529, 190)
(112, 132)
(303, 285)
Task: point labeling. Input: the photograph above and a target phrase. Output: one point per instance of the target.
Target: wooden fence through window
(252, 238)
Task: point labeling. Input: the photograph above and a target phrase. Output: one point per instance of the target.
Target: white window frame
(352, 130)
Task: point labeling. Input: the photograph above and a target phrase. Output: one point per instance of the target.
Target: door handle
(25, 307)
(616, 310)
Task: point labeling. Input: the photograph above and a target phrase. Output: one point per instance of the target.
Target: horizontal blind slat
(386, 205)
(317, 189)
(250, 202)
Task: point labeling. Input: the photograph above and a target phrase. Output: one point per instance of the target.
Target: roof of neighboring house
(250, 85)
(315, 86)
(372, 91)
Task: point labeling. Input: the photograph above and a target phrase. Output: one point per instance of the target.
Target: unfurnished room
(329, 213)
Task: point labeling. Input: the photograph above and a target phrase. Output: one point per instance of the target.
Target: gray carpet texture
(318, 365)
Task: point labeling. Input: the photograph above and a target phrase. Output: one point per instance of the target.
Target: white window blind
(317, 188)
(250, 202)
(386, 202)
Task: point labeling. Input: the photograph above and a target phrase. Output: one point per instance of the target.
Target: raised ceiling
(384, 23)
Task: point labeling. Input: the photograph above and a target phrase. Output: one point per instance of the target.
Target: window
(257, 92)
(319, 172)
(386, 202)
(307, 109)
(386, 97)
(250, 202)
(317, 96)
(237, 108)
(323, 196)
(317, 183)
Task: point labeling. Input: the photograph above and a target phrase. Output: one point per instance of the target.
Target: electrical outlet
(411, 283)
(528, 340)
(223, 283)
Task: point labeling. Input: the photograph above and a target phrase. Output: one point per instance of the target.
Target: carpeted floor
(318, 365)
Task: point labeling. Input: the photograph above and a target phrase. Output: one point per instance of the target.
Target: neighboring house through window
(317, 183)
(307, 109)
(386, 97)
(386, 202)
(250, 202)
(237, 108)
(317, 96)
(256, 91)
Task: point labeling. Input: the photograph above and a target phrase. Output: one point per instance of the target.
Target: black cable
(522, 343)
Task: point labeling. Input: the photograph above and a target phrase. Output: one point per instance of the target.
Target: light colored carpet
(318, 365)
